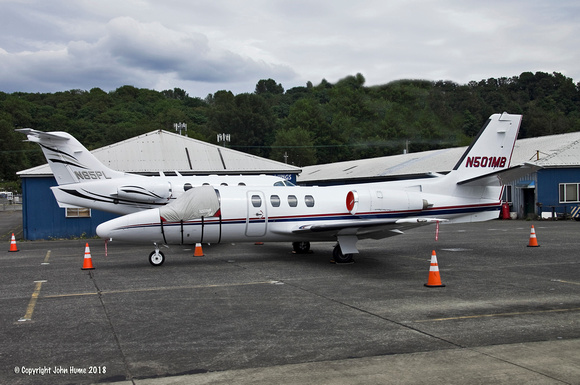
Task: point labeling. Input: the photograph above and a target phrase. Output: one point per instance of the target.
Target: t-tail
(490, 154)
(68, 159)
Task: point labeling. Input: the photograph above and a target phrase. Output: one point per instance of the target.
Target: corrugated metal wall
(43, 219)
(549, 188)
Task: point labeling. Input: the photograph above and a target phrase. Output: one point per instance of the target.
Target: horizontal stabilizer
(501, 177)
(35, 134)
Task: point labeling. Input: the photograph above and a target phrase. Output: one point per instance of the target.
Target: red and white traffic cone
(533, 240)
(88, 261)
(13, 246)
(434, 277)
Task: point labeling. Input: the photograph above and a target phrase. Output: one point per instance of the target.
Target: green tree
(295, 146)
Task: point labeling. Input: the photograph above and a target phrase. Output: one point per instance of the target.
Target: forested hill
(312, 124)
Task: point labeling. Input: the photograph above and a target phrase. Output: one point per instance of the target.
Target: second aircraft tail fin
(68, 159)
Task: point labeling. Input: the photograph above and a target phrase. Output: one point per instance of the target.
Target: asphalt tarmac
(259, 314)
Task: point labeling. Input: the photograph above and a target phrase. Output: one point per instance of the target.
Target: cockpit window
(284, 183)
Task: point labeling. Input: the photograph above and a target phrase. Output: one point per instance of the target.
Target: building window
(309, 200)
(77, 212)
(256, 201)
(275, 201)
(507, 194)
(292, 201)
(569, 192)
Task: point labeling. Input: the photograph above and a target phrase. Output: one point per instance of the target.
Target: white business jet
(83, 181)
(471, 192)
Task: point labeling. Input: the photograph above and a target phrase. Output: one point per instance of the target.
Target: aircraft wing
(368, 228)
(502, 177)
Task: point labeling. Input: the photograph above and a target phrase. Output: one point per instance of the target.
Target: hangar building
(148, 154)
(553, 189)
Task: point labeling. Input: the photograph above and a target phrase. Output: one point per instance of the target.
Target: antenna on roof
(180, 127)
(223, 138)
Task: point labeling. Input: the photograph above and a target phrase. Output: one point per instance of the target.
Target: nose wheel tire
(156, 258)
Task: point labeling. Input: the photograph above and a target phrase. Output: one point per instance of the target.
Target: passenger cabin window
(309, 200)
(223, 184)
(275, 201)
(256, 201)
(187, 186)
(292, 201)
(241, 184)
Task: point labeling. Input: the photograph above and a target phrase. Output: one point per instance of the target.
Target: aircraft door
(257, 218)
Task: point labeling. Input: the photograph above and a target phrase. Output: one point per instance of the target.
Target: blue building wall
(548, 188)
(43, 219)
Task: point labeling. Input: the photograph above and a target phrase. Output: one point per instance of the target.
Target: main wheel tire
(156, 258)
(301, 247)
(339, 257)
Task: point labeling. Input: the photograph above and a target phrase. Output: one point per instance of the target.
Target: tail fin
(491, 152)
(68, 159)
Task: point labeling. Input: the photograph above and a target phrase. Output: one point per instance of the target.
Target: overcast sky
(206, 46)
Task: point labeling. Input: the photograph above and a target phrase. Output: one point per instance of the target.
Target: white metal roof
(166, 151)
(554, 151)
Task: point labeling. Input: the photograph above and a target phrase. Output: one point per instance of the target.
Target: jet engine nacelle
(150, 193)
(384, 200)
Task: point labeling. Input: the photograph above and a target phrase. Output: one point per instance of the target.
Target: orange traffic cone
(88, 262)
(533, 239)
(13, 244)
(198, 250)
(434, 278)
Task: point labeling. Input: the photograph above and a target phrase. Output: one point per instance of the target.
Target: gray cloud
(206, 46)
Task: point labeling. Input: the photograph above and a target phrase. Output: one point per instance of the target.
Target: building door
(529, 201)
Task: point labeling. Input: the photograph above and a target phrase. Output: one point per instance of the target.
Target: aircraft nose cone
(105, 229)
(132, 227)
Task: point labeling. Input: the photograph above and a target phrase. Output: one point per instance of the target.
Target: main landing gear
(301, 247)
(339, 257)
(156, 258)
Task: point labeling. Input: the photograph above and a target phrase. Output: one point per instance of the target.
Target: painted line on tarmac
(32, 304)
(47, 256)
(165, 288)
(499, 315)
(570, 282)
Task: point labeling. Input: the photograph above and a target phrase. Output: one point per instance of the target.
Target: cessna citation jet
(471, 192)
(83, 181)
